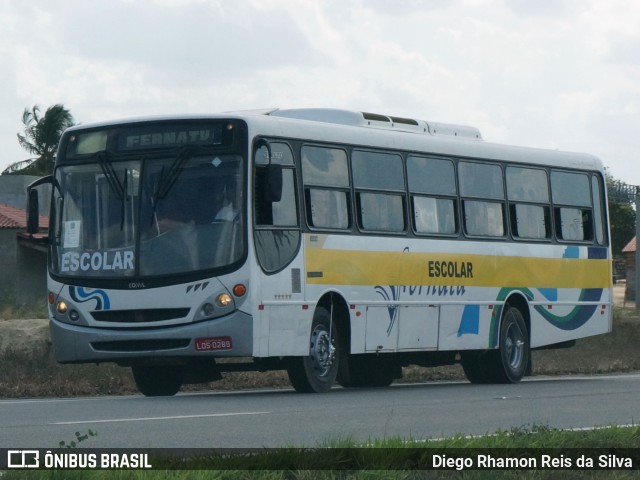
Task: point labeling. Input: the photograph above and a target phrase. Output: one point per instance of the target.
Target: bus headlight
(62, 307)
(224, 300)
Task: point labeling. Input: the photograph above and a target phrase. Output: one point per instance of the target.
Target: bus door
(277, 240)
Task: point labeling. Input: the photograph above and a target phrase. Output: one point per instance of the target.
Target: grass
(9, 308)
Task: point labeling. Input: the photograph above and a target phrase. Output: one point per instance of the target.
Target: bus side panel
(570, 319)
(465, 327)
(289, 330)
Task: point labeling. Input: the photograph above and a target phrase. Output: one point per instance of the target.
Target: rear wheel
(317, 372)
(514, 347)
(478, 366)
(158, 381)
(510, 362)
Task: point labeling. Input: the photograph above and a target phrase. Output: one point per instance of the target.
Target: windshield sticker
(71, 234)
(97, 261)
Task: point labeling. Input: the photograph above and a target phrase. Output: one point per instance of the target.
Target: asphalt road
(277, 418)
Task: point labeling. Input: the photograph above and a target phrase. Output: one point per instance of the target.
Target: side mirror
(33, 212)
(270, 175)
(33, 204)
(272, 187)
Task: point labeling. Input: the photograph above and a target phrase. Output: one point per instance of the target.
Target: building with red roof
(23, 257)
(13, 217)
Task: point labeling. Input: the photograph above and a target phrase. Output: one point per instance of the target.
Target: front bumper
(81, 344)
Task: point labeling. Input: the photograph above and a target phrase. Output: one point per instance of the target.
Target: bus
(339, 246)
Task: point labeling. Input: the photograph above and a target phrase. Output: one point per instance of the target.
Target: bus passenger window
(574, 224)
(528, 194)
(434, 215)
(328, 205)
(571, 195)
(325, 166)
(328, 208)
(380, 191)
(530, 221)
(382, 213)
(483, 218)
(482, 181)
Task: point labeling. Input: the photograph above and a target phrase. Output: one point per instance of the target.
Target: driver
(226, 200)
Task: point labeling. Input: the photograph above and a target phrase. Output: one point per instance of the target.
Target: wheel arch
(338, 307)
(518, 300)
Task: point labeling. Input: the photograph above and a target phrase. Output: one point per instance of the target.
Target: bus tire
(317, 372)
(477, 366)
(514, 353)
(158, 381)
(510, 362)
(365, 370)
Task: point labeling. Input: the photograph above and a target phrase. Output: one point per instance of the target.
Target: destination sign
(169, 136)
(154, 135)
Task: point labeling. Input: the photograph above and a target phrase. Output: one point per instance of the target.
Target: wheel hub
(322, 351)
(514, 346)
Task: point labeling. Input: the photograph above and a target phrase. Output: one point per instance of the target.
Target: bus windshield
(148, 215)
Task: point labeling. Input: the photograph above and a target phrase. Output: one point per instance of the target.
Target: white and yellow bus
(340, 246)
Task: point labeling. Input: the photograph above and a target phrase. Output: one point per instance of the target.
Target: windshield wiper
(166, 183)
(119, 188)
(110, 174)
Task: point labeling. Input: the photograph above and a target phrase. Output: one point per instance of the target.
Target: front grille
(140, 316)
(140, 345)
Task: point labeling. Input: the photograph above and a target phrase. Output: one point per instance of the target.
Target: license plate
(213, 344)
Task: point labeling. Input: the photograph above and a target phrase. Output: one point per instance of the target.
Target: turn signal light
(239, 290)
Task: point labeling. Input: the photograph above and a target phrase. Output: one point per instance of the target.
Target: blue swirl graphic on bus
(574, 319)
(81, 295)
(393, 294)
(579, 315)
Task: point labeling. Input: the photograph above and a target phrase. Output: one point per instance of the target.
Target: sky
(557, 74)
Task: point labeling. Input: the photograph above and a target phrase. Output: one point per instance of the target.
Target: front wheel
(369, 370)
(317, 372)
(158, 381)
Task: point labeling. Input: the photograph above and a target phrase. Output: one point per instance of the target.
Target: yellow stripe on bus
(349, 267)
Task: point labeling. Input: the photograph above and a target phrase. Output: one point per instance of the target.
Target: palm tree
(41, 137)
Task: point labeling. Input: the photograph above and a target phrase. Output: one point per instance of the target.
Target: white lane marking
(536, 378)
(143, 419)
